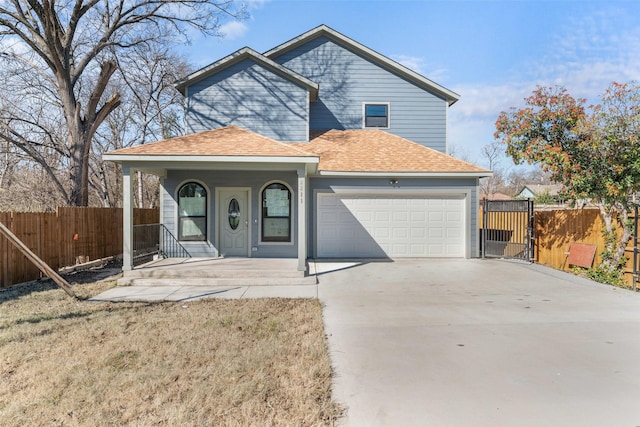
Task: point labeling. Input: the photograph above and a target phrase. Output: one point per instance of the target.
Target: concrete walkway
(192, 292)
(480, 343)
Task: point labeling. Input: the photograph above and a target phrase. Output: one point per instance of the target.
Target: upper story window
(276, 213)
(376, 115)
(192, 212)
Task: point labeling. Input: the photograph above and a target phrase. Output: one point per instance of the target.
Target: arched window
(276, 213)
(192, 212)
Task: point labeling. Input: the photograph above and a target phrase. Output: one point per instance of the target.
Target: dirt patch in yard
(207, 362)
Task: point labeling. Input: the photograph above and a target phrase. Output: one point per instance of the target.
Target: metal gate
(507, 229)
(636, 248)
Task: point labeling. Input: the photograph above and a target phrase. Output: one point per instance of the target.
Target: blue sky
(493, 53)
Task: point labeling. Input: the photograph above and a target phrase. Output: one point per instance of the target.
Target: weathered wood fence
(63, 238)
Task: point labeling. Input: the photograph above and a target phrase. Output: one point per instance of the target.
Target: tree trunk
(78, 169)
(615, 246)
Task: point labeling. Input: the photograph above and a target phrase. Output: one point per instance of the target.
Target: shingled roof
(378, 151)
(339, 151)
(226, 141)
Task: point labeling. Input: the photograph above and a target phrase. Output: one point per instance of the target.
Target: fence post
(484, 226)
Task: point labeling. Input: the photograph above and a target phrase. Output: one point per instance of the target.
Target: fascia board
(406, 174)
(127, 158)
(450, 96)
(240, 55)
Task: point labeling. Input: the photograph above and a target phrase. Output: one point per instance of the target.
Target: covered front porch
(224, 193)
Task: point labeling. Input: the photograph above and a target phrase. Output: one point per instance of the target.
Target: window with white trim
(376, 115)
(192, 212)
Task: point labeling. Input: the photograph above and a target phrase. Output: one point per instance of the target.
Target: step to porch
(218, 272)
(221, 282)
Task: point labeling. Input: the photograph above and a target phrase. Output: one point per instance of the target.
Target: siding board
(252, 97)
(347, 80)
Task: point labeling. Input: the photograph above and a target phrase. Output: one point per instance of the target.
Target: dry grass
(209, 362)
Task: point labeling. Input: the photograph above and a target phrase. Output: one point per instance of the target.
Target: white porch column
(302, 219)
(127, 218)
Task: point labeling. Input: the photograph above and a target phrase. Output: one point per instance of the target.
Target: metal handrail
(155, 240)
(171, 247)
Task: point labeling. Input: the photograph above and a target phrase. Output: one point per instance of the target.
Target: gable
(252, 96)
(348, 80)
(366, 52)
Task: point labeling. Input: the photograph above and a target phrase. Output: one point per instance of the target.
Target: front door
(233, 222)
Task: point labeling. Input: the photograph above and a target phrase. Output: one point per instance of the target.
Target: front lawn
(208, 362)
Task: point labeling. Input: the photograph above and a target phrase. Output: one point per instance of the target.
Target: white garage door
(374, 226)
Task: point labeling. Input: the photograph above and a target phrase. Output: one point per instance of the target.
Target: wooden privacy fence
(556, 230)
(63, 238)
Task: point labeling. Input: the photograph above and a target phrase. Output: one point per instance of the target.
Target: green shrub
(601, 275)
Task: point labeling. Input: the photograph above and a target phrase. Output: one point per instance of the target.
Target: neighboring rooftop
(538, 189)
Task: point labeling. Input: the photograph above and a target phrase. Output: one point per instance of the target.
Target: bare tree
(151, 109)
(492, 154)
(69, 52)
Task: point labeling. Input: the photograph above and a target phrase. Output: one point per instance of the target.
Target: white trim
(176, 197)
(364, 114)
(219, 218)
(291, 210)
(209, 159)
(469, 174)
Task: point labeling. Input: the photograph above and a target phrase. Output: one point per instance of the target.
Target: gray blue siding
(250, 96)
(220, 179)
(347, 80)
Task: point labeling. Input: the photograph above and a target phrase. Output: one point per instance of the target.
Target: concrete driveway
(480, 343)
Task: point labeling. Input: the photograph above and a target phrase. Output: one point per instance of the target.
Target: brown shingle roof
(227, 141)
(365, 150)
(347, 151)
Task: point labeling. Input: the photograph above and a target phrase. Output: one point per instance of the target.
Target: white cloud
(592, 51)
(255, 4)
(233, 30)
(417, 64)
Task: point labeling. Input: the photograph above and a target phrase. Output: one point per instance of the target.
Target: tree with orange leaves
(593, 151)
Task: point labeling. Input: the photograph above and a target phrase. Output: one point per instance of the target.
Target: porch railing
(155, 240)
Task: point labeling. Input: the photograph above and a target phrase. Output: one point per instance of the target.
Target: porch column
(302, 220)
(127, 218)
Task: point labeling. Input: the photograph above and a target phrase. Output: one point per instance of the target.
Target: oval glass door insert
(234, 214)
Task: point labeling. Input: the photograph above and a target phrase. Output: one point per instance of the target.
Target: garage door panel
(386, 226)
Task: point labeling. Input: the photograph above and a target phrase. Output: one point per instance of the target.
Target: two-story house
(319, 148)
